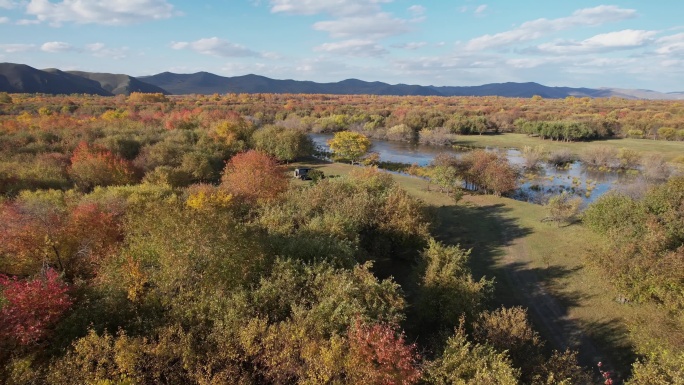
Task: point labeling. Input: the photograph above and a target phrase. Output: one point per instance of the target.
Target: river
(534, 187)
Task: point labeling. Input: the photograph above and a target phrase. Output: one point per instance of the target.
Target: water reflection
(535, 186)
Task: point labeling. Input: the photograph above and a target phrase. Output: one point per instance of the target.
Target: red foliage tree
(30, 237)
(183, 120)
(92, 233)
(72, 240)
(92, 166)
(255, 176)
(30, 307)
(382, 355)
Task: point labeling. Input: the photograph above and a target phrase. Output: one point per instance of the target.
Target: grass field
(669, 150)
(544, 268)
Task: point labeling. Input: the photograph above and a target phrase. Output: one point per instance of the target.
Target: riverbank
(668, 150)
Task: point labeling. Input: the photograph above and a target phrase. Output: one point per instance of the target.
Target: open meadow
(669, 150)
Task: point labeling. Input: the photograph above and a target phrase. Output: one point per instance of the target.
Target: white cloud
(17, 48)
(27, 22)
(7, 4)
(101, 50)
(215, 47)
(337, 8)
(56, 46)
(411, 45)
(625, 39)
(540, 27)
(363, 19)
(671, 45)
(373, 27)
(353, 47)
(533, 62)
(271, 55)
(480, 9)
(416, 10)
(4, 20)
(108, 12)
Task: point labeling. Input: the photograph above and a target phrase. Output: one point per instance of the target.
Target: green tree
(444, 173)
(285, 144)
(667, 133)
(448, 289)
(660, 367)
(465, 363)
(349, 145)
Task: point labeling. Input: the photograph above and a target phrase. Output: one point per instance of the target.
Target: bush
(563, 208)
(439, 136)
(561, 157)
(636, 134)
(660, 367)
(400, 132)
(315, 175)
(601, 157)
(629, 159)
(92, 166)
(655, 169)
(532, 156)
(667, 133)
(465, 363)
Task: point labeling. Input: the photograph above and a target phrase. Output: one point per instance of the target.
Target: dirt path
(501, 243)
(549, 314)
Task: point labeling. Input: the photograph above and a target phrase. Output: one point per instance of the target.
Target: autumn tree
(379, 354)
(232, 132)
(447, 289)
(141, 97)
(444, 173)
(30, 307)
(644, 254)
(31, 234)
(508, 330)
(285, 144)
(667, 133)
(660, 367)
(254, 176)
(349, 145)
(467, 363)
(489, 171)
(41, 229)
(92, 166)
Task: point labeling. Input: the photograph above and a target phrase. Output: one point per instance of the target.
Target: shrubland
(157, 240)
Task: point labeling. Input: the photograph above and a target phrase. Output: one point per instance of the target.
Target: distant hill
(647, 94)
(526, 90)
(116, 84)
(208, 83)
(16, 78)
(20, 78)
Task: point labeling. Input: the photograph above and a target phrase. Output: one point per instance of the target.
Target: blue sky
(625, 44)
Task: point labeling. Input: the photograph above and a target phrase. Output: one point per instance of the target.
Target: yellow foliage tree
(350, 145)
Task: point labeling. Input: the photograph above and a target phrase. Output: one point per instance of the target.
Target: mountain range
(20, 78)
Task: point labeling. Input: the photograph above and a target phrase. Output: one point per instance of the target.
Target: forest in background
(155, 239)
